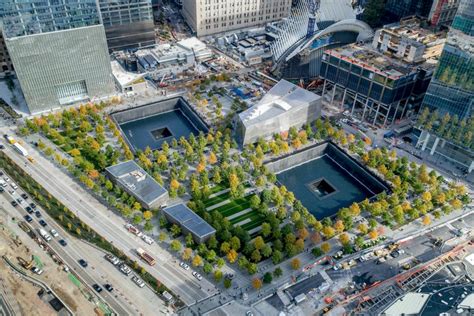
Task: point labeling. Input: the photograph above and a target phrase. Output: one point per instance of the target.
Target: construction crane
(313, 7)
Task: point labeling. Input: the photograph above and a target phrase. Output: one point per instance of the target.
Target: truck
(44, 234)
(20, 149)
(146, 257)
(10, 139)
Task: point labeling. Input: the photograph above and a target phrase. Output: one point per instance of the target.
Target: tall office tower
(6, 66)
(128, 23)
(397, 9)
(452, 88)
(208, 17)
(59, 51)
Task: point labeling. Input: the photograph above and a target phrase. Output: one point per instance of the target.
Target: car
(108, 287)
(28, 218)
(2, 147)
(1, 190)
(19, 200)
(42, 223)
(230, 276)
(54, 233)
(24, 196)
(124, 269)
(184, 265)
(33, 205)
(29, 209)
(14, 203)
(38, 214)
(63, 243)
(83, 263)
(97, 287)
(7, 179)
(11, 191)
(138, 281)
(248, 313)
(197, 275)
(36, 270)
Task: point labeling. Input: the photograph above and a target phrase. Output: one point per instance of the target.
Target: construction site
(34, 281)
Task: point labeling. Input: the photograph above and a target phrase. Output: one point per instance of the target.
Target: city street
(98, 271)
(111, 226)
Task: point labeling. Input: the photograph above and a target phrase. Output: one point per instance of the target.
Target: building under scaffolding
(384, 81)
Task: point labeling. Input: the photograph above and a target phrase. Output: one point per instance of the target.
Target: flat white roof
(470, 259)
(192, 43)
(283, 97)
(409, 304)
(467, 302)
(123, 77)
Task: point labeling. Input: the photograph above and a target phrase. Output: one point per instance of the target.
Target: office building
(128, 23)
(190, 222)
(59, 51)
(207, 17)
(6, 66)
(442, 12)
(398, 9)
(385, 81)
(136, 182)
(451, 91)
(452, 88)
(284, 106)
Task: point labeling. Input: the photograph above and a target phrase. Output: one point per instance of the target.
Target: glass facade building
(59, 51)
(452, 88)
(128, 23)
(397, 9)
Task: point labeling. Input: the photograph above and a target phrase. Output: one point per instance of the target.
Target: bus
(20, 149)
(146, 257)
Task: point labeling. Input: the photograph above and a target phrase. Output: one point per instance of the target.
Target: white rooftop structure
(124, 78)
(467, 302)
(284, 106)
(409, 304)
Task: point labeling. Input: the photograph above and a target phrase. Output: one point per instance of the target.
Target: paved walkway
(219, 193)
(212, 207)
(247, 210)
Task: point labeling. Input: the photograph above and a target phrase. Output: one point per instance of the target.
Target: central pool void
(152, 124)
(324, 178)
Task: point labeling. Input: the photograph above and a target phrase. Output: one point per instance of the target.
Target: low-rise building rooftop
(134, 180)
(189, 221)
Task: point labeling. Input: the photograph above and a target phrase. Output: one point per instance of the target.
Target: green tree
(175, 245)
(278, 272)
(267, 278)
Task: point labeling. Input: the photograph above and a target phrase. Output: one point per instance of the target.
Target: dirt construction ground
(20, 293)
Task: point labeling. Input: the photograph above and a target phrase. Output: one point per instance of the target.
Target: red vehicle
(146, 257)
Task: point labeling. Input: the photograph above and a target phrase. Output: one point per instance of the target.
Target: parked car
(38, 214)
(24, 196)
(54, 233)
(28, 218)
(184, 265)
(14, 203)
(83, 263)
(97, 288)
(138, 281)
(19, 200)
(36, 270)
(197, 275)
(63, 243)
(125, 270)
(42, 223)
(29, 209)
(33, 205)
